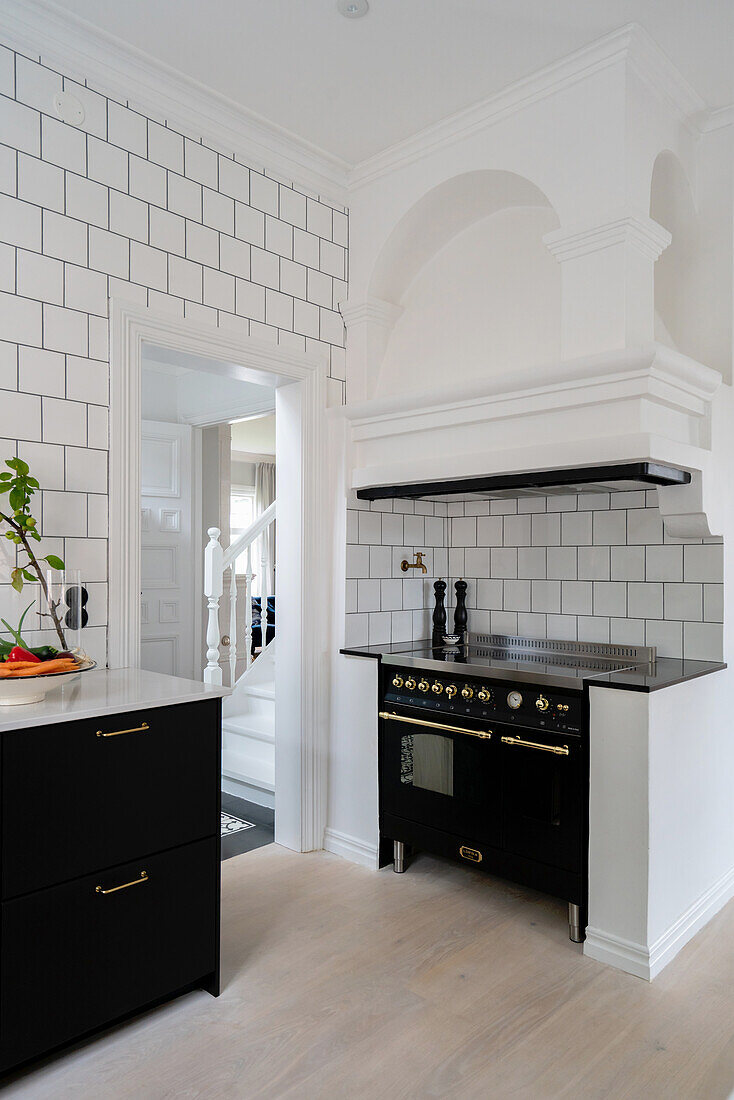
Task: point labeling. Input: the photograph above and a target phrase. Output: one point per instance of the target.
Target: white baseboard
(635, 958)
(625, 955)
(667, 946)
(351, 848)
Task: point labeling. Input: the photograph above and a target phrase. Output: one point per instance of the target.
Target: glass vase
(66, 613)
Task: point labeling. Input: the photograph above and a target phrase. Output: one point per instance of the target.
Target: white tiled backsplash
(126, 206)
(590, 567)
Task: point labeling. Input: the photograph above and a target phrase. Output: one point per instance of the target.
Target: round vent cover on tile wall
(69, 109)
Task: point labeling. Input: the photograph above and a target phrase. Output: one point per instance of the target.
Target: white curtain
(264, 584)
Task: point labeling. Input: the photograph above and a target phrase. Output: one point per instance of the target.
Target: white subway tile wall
(594, 568)
(126, 206)
(383, 603)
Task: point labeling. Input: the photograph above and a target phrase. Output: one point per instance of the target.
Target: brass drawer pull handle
(124, 886)
(472, 854)
(117, 733)
(484, 734)
(559, 750)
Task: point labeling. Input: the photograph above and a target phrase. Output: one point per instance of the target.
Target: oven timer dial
(410, 683)
(484, 695)
(397, 681)
(542, 703)
(451, 690)
(423, 685)
(467, 692)
(514, 700)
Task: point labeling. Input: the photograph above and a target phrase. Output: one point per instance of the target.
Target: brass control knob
(542, 703)
(423, 685)
(397, 681)
(467, 692)
(484, 695)
(437, 688)
(451, 690)
(410, 683)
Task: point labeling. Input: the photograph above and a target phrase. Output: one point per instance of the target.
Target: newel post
(213, 588)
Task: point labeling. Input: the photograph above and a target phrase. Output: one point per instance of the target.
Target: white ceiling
(256, 436)
(354, 87)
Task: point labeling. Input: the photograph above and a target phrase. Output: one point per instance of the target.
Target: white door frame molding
(132, 326)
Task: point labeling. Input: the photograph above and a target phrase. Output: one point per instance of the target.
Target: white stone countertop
(107, 691)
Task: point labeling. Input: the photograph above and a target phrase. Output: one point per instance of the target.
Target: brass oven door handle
(484, 734)
(118, 733)
(559, 750)
(124, 885)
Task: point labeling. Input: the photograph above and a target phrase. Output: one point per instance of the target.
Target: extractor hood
(621, 478)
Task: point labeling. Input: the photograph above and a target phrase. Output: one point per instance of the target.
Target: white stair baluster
(233, 624)
(213, 588)
(248, 608)
(264, 588)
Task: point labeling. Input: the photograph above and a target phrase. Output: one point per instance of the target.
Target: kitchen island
(109, 877)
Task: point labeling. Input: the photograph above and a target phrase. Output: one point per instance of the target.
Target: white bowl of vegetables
(28, 673)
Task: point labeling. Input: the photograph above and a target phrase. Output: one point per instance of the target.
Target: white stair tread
(260, 691)
(259, 726)
(263, 776)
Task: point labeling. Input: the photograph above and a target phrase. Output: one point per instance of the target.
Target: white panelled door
(167, 561)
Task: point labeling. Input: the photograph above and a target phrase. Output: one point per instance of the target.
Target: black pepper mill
(460, 621)
(439, 612)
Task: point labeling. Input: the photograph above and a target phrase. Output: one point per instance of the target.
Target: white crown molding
(252, 456)
(230, 412)
(656, 69)
(75, 46)
(114, 68)
(644, 234)
(372, 310)
(716, 120)
(682, 372)
(630, 43)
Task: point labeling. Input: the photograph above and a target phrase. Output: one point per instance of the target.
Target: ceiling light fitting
(353, 9)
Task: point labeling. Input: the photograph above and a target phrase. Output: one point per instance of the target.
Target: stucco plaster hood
(633, 405)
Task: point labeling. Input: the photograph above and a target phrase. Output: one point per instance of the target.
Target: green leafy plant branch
(20, 487)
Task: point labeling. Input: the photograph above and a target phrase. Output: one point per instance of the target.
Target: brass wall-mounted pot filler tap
(405, 565)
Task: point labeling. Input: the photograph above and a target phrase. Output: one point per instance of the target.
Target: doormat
(231, 824)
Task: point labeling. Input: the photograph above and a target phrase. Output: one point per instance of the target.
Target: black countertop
(666, 671)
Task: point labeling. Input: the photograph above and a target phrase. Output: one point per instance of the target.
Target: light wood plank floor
(343, 983)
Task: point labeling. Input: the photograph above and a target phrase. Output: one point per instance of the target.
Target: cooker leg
(574, 923)
(398, 855)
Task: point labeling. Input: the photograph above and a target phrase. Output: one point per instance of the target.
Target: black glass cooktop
(558, 669)
(563, 670)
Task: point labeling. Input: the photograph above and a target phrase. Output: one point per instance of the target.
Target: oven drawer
(74, 958)
(438, 773)
(544, 796)
(83, 795)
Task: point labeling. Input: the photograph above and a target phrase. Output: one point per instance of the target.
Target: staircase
(248, 732)
(248, 714)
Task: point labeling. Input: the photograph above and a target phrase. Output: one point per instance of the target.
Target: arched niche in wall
(478, 290)
(678, 271)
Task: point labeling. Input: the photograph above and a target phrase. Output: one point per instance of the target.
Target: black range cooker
(484, 757)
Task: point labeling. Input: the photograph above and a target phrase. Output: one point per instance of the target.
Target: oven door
(544, 795)
(442, 774)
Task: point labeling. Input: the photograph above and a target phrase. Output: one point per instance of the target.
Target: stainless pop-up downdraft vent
(598, 656)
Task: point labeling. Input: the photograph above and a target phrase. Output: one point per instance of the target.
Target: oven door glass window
(448, 781)
(427, 761)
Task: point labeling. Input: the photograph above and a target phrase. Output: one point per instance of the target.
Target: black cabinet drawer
(80, 796)
(74, 958)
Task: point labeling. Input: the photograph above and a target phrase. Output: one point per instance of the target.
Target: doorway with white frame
(298, 384)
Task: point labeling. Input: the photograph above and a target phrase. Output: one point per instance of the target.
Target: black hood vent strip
(624, 477)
